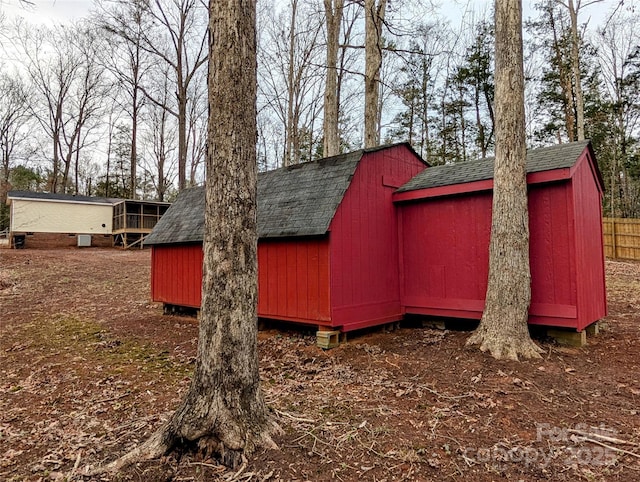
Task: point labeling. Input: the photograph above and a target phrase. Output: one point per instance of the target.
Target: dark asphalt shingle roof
(298, 200)
(301, 200)
(183, 222)
(543, 159)
(61, 197)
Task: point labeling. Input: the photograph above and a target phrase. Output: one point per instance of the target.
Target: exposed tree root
(165, 440)
(505, 347)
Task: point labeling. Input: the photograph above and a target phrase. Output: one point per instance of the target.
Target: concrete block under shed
(328, 339)
(568, 337)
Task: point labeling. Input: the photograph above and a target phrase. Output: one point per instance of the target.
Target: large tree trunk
(333, 12)
(373, 18)
(503, 329)
(224, 411)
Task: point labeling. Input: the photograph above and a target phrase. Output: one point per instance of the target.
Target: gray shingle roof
(299, 200)
(183, 222)
(543, 159)
(61, 197)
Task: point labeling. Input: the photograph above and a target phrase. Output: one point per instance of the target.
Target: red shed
(328, 247)
(445, 223)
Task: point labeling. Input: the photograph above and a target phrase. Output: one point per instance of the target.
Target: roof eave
(538, 177)
(64, 201)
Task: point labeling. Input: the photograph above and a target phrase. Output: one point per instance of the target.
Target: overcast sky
(58, 11)
(47, 11)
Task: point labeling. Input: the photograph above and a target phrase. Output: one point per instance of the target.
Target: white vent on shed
(84, 240)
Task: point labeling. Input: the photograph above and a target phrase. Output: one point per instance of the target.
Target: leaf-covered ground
(89, 367)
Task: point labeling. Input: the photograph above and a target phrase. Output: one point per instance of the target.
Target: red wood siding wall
(552, 255)
(587, 201)
(445, 255)
(365, 286)
(176, 274)
(293, 280)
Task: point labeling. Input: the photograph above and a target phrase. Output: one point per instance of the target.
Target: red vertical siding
(445, 255)
(365, 281)
(587, 201)
(176, 274)
(552, 254)
(293, 280)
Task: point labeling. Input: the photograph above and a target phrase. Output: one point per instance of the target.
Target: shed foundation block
(328, 339)
(593, 329)
(434, 324)
(567, 337)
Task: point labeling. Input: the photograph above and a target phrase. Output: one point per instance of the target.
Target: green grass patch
(88, 341)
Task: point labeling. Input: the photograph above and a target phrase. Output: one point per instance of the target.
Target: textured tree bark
(575, 67)
(291, 127)
(333, 12)
(503, 330)
(565, 79)
(224, 412)
(374, 11)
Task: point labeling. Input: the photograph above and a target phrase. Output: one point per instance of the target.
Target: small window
(29, 234)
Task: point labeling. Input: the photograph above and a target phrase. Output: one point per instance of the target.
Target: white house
(44, 220)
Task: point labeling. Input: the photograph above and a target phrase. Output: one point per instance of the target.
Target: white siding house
(45, 219)
(56, 220)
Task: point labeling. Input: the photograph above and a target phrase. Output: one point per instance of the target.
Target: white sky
(49, 12)
(59, 11)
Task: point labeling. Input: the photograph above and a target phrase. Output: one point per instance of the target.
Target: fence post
(613, 237)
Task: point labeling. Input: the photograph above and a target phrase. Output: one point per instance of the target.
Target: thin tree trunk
(575, 67)
(374, 15)
(224, 411)
(503, 329)
(108, 166)
(564, 77)
(134, 144)
(331, 101)
(77, 159)
(182, 139)
(289, 128)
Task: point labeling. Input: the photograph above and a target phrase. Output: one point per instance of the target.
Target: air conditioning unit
(84, 240)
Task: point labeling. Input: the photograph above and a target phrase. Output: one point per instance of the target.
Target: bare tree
(290, 68)
(127, 61)
(160, 138)
(224, 410)
(86, 102)
(576, 42)
(52, 66)
(503, 329)
(374, 11)
(197, 131)
(333, 14)
(618, 54)
(14, 113)
(177, 37)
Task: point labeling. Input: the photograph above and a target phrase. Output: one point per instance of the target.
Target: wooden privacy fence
(621, 238)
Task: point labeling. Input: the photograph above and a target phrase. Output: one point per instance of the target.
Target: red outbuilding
(363, 238)
(328, 247)
(445, 224)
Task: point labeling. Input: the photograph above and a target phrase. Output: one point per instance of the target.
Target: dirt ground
(89, 367)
